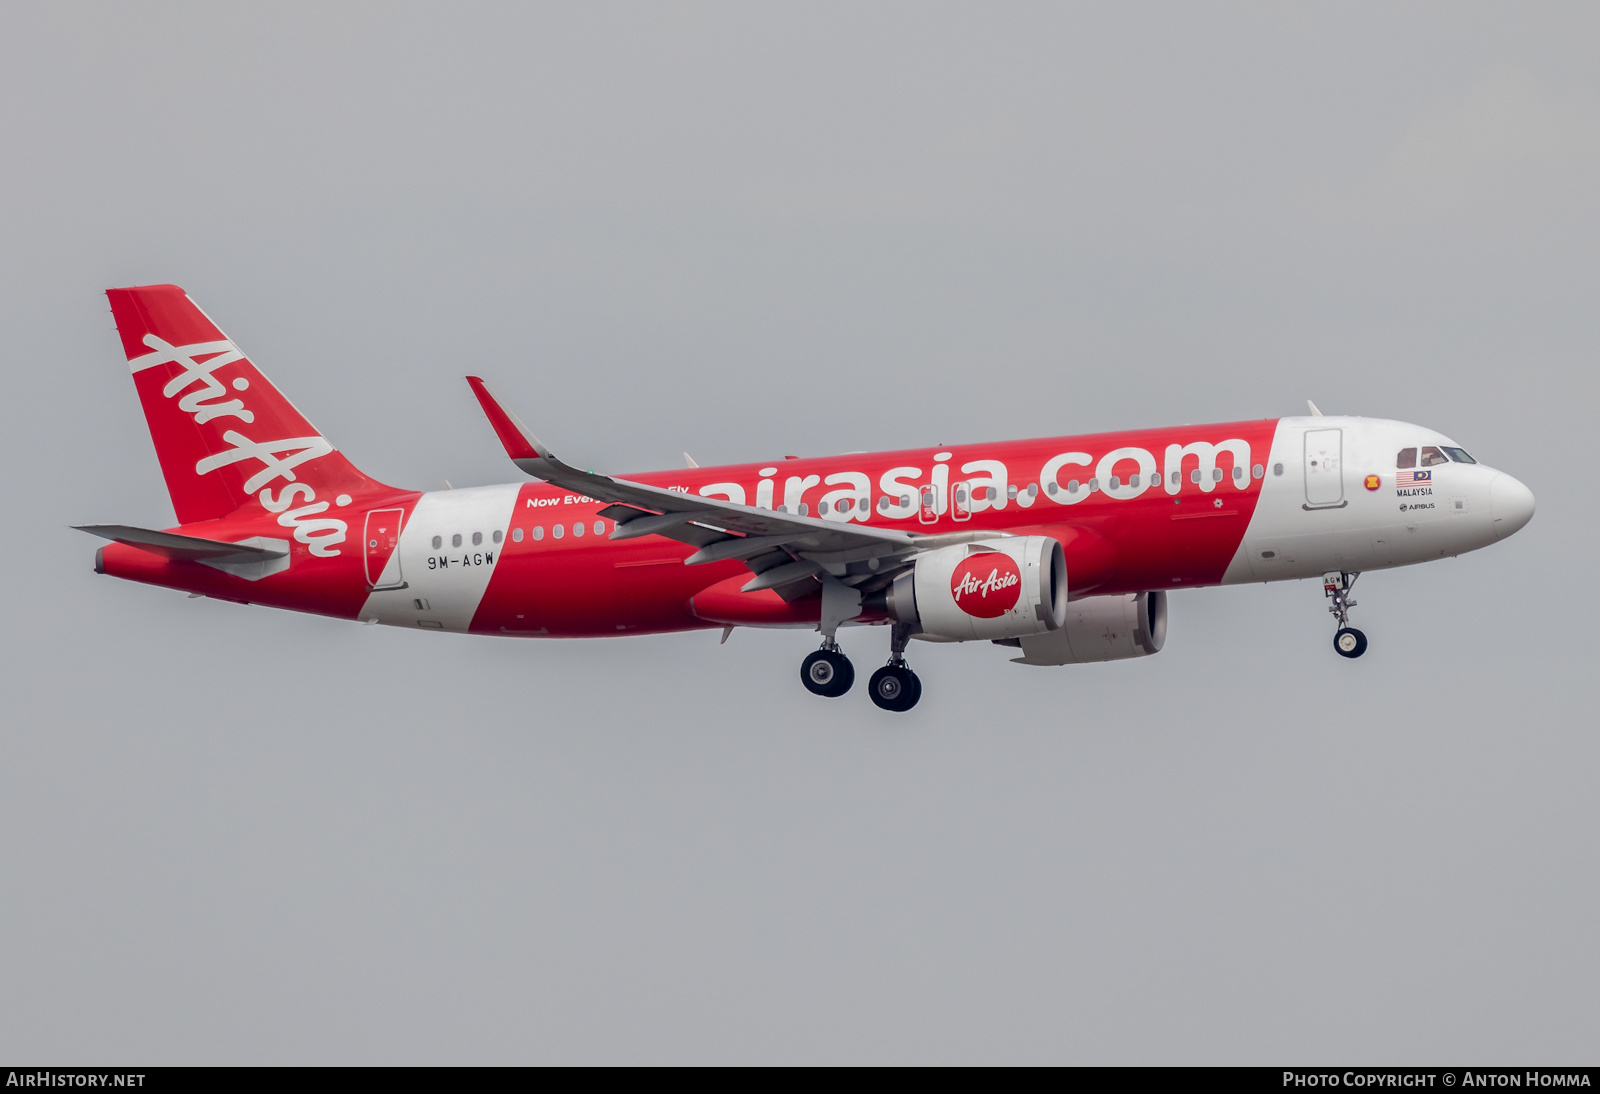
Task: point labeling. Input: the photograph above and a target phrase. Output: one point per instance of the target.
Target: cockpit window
(1407, 458)
(1432, 457)
(1459, 455)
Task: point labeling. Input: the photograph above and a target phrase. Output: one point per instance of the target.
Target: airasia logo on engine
(986, 585)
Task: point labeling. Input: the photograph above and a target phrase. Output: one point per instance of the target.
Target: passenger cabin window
(1432, 457)
(437, 543)
(516, 534)
(477, 539)
(455, 540)
(1406, 459)
(1459, 455)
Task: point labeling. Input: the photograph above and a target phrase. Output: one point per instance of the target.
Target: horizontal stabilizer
(184, 548)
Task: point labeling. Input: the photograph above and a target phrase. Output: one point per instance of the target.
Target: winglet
(519, 443)
(1315, 413)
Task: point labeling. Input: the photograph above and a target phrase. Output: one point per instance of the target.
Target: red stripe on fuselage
(590, 586)
(586, 585)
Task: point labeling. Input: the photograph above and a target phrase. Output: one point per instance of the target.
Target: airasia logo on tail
(320, 534)
(986, 585)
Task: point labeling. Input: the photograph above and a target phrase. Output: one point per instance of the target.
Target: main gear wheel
(828, 673)
(895, 687)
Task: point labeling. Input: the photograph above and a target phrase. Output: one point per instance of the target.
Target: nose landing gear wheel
(828, 673)
(1350, 642)
(895, 687)
(1347, 641)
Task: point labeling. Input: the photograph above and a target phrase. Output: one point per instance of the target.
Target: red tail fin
(222, 432)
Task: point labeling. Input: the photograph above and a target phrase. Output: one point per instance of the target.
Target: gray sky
(237, 835)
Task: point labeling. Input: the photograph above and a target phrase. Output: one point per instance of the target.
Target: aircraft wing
(786, 551)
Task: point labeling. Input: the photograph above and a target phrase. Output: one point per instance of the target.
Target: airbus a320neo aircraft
(1061, 548)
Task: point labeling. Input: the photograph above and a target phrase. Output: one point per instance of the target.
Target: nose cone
(1510, 505)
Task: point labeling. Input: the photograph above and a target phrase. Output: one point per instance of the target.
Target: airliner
(1060, 549)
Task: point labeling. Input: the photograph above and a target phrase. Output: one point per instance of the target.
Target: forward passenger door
(1324, 468)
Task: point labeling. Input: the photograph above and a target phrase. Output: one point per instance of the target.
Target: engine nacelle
(1101, 628)
(998, 588)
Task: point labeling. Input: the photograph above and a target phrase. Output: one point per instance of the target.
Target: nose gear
(1347, 641)
(1350, 642)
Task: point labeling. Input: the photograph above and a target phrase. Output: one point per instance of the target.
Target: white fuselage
(1315, 519)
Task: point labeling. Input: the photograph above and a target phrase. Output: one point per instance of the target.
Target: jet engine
(1101, 628)
(999, 588)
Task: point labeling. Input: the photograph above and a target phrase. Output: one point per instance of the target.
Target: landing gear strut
(828, 672)
(895, 687)
(1347, 641)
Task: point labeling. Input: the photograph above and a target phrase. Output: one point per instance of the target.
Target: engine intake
(999, 588)
(1102, 628)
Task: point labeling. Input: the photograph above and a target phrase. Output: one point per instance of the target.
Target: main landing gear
(895, 687)
(828, 673)
(1347, 641)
